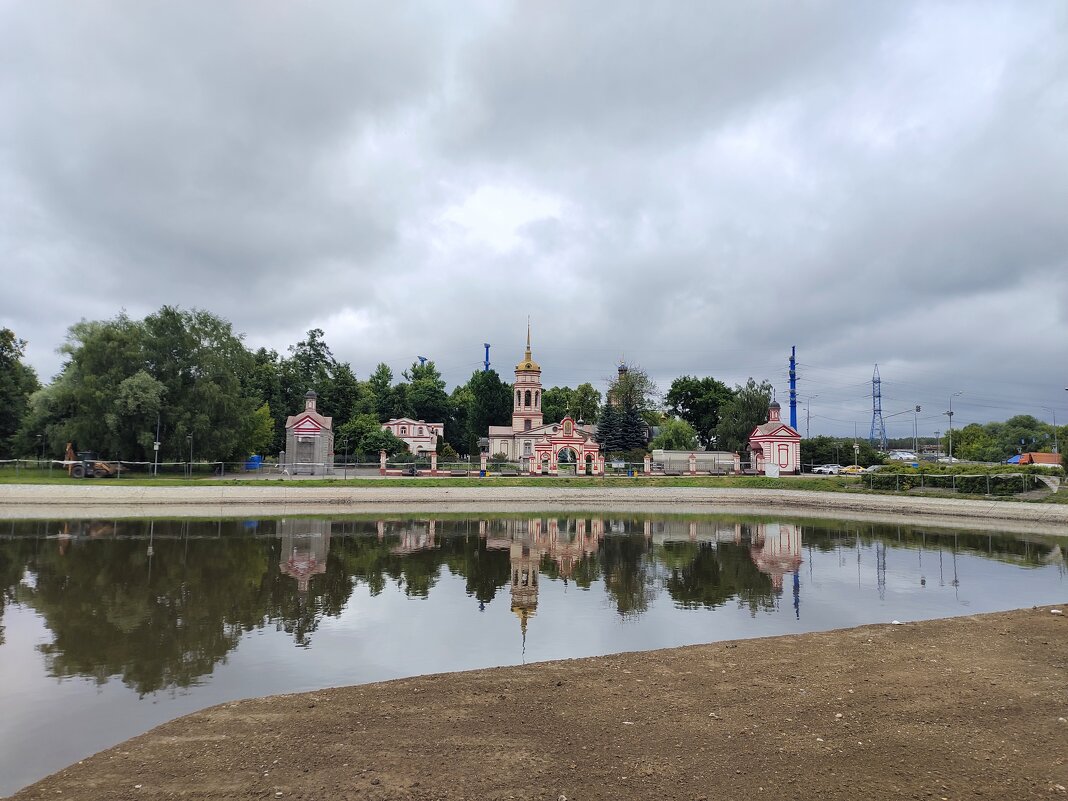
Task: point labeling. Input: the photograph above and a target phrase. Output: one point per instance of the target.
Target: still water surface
(110, 628)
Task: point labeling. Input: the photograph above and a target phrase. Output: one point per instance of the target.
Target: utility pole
(938, 442)
(915, 439)
(793, 388)
(950, 414)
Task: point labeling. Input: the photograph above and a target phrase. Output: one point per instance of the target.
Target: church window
(404, 429)
(526, 399)
(517, 394)
(420, 430)
(526, 448)
(526, 424)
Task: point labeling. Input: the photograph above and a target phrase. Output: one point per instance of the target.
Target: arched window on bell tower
(526, 399)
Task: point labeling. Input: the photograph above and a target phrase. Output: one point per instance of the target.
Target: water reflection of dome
(305, 544)
(776, 550)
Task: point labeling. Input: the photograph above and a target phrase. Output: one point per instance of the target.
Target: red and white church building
(776, 446)
(537, 446)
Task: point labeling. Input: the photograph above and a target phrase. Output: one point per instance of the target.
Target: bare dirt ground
(962, 708)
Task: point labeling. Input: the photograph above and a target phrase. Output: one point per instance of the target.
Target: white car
(827, 469)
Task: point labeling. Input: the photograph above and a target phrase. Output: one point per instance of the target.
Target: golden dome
(528, 363)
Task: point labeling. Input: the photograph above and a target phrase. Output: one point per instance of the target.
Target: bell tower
(526, 392)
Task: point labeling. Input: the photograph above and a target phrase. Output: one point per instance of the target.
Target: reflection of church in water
(775, 549)
(529, 541)
(305, 544)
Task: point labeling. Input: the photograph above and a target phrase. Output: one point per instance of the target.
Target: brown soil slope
(960, 708)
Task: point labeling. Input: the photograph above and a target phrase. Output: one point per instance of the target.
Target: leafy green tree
(831, 450)
(585, 402)
(632, 388)
(698, 401)
(975, 443)
(426, 393)
(17, 382)
(581, 403)
(491, 403)
(747, 409)
(556, 403)
(456, 429)
(366, 436)
(675, 435)
(259, 429)
(208, 377)
(380, 385)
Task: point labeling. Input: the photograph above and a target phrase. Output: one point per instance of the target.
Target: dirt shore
(36, 501)
(971, 707)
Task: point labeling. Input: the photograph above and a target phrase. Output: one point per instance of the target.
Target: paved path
(280, 498)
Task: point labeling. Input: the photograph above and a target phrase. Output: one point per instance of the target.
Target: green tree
(675, 435)
(832, 450)
(209, 377)
(975, 443)
(632, 388)
(556, 403)
(747, 409)
(698, 401)
(491, 403)
(426, 393)
(380, 385)
(18, 382)
(585, 402)
(366, 437)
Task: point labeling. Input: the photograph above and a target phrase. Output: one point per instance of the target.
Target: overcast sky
(693, 187)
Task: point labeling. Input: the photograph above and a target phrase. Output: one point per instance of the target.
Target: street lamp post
(950, 414)
(155, 449)
(190, 438)
(40, 450)
(345, 464)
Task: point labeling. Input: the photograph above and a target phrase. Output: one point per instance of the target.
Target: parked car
(875, 468)
(852, 470)
(827, 469)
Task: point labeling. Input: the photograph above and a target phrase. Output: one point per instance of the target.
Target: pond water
(110, 628)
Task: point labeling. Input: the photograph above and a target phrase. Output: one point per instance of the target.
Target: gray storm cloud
(693, 187)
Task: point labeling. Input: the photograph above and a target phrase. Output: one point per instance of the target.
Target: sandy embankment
(290, 498)
(961, 708)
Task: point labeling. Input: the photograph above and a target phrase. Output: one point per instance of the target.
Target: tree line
(185, 378)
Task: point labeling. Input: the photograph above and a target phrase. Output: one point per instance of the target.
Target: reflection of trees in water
(627, 578)
(703, 574)
(991, 545)
(165, 619)
(14, 555)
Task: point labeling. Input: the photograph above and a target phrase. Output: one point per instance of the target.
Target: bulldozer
(86, 464)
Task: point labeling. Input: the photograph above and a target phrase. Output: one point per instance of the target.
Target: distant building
(310, 440)
(419, 435)
(776, 447)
